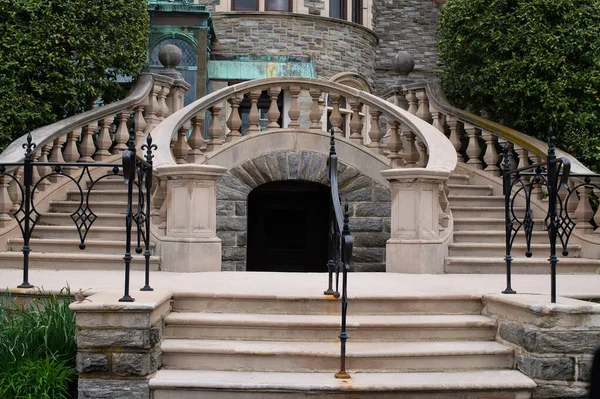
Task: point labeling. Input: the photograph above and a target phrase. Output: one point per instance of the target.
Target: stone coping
(107, 301)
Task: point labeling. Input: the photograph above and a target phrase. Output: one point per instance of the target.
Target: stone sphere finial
(170, 56)
(403, 63)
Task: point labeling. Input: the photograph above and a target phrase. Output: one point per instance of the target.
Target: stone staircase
(479, 235)
(256, 346)
(55, 239)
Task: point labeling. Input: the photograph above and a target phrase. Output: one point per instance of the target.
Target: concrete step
(520, 265)
(497, 237)
(457, 178)
(64, 219)
(486, 384)
(265, 304)
(484, 249)
(470, 189)
(102, 195)
(476, 200)
(482, 211)
(271, 327)
(109, 183)
(487, 224)
(74, 261)
(70, 232)
(56, 245)
(96, 206)
(189, 354)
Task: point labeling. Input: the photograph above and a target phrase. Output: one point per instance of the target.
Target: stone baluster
(254, 115)
(473, 149)
(196, 139)
(71, 153)
(455, 134)
(584, 212)
(181, 149)
(294, 112)
(423, 156)
(87, 147)
(139, 126)
(491, 157)
(56, 155)
(423, 107)
(15, 193)
(45, 170)
(335, 118)
(122, 133)
(571, 206)
(6, 203)
(215, 130)
(375, 134)
(394, 144)
(103, 142)
(157, 200)
(444, 204)
(273, 114)
(597, 214)
(152, 109)
(411, 154)
(356, 123)
(234, 123)
(437, 117)
(412, 102)
(523, 156)
(163, 108)
(315, 110)
(35, 174)
(536, 192)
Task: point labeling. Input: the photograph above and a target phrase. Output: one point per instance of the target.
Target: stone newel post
(191, 243)
(418, 243)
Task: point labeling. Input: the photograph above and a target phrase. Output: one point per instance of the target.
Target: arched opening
(288, 223)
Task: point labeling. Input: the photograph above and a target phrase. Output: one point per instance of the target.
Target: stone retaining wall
(370, 205)
(334, 45)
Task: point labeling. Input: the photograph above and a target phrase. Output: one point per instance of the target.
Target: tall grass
(37, 340)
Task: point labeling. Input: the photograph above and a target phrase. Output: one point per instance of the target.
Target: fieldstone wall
(554, 343)
(118, 348)
(370, 205)
(405, 25)
(334, 46)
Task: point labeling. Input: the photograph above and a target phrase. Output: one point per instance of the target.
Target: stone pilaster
(118, 344)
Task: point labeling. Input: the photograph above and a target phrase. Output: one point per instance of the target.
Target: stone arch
(369, 202)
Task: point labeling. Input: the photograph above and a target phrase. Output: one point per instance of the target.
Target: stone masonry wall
(405, 25)
(370, 205)
(334, 46)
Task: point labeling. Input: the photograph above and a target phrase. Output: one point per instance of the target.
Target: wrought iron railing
(552, 178)
(37, 175)
(340, 251)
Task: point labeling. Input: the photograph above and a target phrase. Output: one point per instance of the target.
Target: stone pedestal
(118, 344)
(553, 343)
(190, 243)
(418, 244)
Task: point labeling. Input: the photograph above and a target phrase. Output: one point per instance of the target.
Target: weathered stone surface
(231, 223)
(234, 254)
(367, 267)
(381, 194)
(316, 170)
(347, 175)
(387, 225)
(305, 159)
(522, 335)
(240, 208)
(374, 209)
(372, 255)
(240, 266)
(231, 182)
(551, 341)
(242, 175)
(363, 194)
(558, 390)
(361, 181)
(228, 194)
(283, 165)
(260, 164)
(227, 238)
(91, 362)
(250, 168)
(135, 364)
(294, 163)
(365, 224)
(228, 266)
(546, 368)
(370, 240)
(273, 165)
(95, 388)
(242, 239)
(584, 368)
(224, 208)
(124, 338)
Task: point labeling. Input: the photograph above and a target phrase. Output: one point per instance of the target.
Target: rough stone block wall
(369, 201)
(315, 7)
(333, 45)
(405, 25)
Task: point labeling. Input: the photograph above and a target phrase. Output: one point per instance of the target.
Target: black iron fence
(134, 170)
(552, 179)
(340, 251)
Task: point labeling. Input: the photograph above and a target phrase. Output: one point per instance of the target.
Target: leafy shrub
(529, 64)
(59, 56)
(37, 379)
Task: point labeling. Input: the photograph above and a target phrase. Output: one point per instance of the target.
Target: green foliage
(37, 379)
(42, 328)
(59, 56)
(529, 64)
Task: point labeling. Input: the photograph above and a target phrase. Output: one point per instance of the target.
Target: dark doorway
(288, 223)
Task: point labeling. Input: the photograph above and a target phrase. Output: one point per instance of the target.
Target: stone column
(553, 342)
(118, 344)
(191, 231)
(416, 244)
